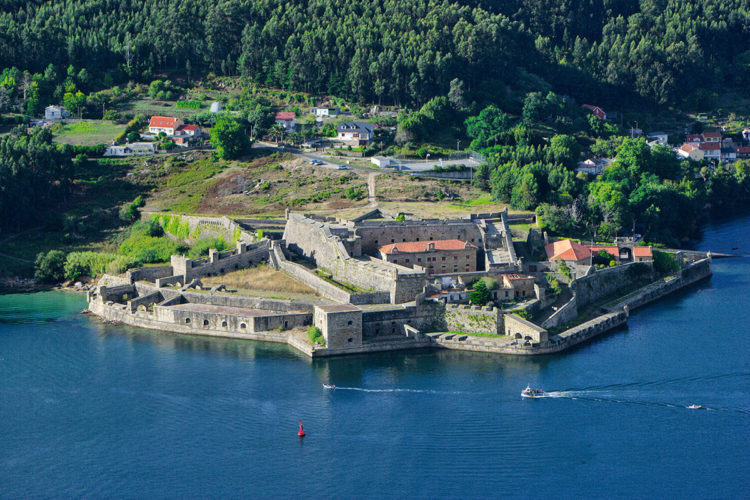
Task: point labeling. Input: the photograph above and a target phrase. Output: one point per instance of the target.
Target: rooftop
(425, 246)
(566, 250)
(163, 122)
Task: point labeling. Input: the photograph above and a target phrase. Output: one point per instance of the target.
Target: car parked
(342, 167)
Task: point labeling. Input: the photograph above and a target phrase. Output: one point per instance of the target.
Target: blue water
(95, 410)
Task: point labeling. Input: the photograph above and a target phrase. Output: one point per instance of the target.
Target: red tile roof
(424, 246)
(188, 127)
(642, 252)
(711, 134)
(694, 138)
(566, 250)
(613, 251)
(743, 150)
(710, 146)
(688, 147)
(163, 122)
(285, 115)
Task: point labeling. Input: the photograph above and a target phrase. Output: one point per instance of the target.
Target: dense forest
(398, 51)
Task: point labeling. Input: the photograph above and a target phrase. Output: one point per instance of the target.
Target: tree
(456, 93)
(229, 138)
(480, 295)
(50, 267)
(564, 149)
(489, 128)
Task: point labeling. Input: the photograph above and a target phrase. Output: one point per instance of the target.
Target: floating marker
(301, 432)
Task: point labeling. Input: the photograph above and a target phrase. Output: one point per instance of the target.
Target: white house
(359, 133)
(166, 124)
(380, 161)
(593, 166)
(134, 149)
(658, 138)
(324, 111)
(55, 113)
(189, 130)
(286, 120)
(216, 107)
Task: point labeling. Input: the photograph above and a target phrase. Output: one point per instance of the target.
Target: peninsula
(386, 282)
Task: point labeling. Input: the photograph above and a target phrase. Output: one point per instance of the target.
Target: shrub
(201, 247)
(141, 246)
(189, 104)
(87, 264)
(665, 263)
(50, 267)
(315, 335)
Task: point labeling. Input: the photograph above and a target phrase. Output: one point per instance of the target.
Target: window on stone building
(187, 320)
(417, 239)
(467, 257)
(349, 339)
(243, 325)
(349, 322)
(455, 257)
(224, 324)
(443, 258)
(419, 259)
(393, 241)
(205, 322)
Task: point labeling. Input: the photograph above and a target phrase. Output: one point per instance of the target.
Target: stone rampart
(473, 319)
(568, 312)
(524, 330)
(219, 263)
(148, 273)
(392, 322)
(604, 282)
(323, 287)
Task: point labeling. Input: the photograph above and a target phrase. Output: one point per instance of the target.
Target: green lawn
(87, 132)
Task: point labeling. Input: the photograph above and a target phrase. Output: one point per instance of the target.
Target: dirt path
(371, 200)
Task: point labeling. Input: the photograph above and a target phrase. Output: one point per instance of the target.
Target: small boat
(328, 386)
(532, 393)
(695, 407)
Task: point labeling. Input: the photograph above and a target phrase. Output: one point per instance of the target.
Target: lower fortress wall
(393, 322)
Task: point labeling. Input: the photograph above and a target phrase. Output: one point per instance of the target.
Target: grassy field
(262, 278)
(150, 107)
(87, 132)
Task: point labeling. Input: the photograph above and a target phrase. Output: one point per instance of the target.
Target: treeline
(397, 51)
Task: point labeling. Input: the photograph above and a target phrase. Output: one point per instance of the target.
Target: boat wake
(608, 397)
(420, 391)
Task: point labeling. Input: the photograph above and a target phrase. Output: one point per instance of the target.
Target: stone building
(438, 256)
(340, 324)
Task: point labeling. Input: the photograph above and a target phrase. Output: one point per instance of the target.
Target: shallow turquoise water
(94, 410)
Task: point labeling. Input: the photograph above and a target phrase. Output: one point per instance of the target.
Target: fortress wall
(568, 312)
(521, 329)
(392, 322)
(473, 319)
(603, 282)
(148, 273)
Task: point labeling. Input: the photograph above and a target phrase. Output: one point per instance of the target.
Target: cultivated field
(87, 132)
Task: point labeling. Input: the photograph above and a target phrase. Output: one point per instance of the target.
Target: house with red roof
(438, 256)
(166, 124)
(189, 130)
(711, 150)
(691, 151)
(568, 251)
(286, 120)
(596, 110)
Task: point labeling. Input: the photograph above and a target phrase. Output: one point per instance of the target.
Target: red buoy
(301, 432)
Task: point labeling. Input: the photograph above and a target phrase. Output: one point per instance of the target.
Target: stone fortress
(385, 284)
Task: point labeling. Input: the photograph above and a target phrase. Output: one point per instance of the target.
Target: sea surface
(95, 410)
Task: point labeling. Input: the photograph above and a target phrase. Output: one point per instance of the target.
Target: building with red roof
(286, 120)
(596, 110)
(165, 124)
(438, 257)
(569, 251)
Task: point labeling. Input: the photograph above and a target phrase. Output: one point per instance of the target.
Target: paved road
(402, 165)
